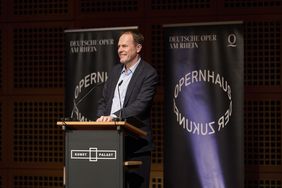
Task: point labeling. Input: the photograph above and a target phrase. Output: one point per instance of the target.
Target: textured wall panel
(271, 180)
(157, 59)
(5, 138)
(20, 10)
(157, 125)
(0, 8)
(40, 7)
(157, 50)
(263, 132)
(1, 132)
(249, 7)
(1, 57)
(157, 180)
(179, 5)
(36, 179)
(38, 57)
(253, 3)
(36, 138)
(108, 6)
(262, 53)
(3, 178)
(264, 183)
(118, 8)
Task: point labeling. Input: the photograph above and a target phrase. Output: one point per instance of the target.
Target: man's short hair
(137, 36)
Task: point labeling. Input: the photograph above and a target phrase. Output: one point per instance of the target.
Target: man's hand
(105, 119)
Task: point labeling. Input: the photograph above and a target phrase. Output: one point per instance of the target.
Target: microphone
(120, 105)
(75, 104)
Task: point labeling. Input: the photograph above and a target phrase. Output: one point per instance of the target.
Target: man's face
(127, 49)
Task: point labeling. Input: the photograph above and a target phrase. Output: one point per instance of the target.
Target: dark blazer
(138, 99)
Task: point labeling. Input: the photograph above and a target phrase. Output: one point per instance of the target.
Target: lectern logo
(93, 154)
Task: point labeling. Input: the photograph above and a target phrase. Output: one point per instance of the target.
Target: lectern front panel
(94, 158)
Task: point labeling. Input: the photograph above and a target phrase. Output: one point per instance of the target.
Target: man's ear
(138, 47)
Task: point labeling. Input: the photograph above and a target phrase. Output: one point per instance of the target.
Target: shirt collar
(131, 69)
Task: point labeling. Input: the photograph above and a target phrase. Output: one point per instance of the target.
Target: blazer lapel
(132, 82)
(114, 81)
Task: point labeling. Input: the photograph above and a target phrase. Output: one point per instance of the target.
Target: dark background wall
(32, 79)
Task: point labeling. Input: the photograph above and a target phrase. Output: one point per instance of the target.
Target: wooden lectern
(94, 153)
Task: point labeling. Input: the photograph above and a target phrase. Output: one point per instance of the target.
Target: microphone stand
(120, 105)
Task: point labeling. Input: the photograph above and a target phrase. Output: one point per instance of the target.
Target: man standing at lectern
(128, 93)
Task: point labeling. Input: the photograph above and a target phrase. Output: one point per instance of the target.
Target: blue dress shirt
(125, 77)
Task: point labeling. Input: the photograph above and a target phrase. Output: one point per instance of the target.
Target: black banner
(90, 54)
(204, 106)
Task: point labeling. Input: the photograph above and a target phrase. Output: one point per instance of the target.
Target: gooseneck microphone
(75, 104)
(120, 105)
